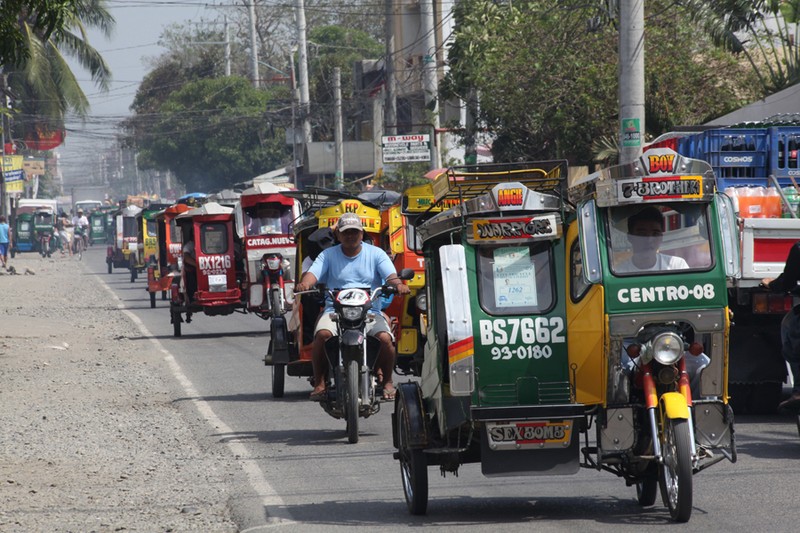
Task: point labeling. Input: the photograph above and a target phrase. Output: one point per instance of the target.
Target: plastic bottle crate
(784, 145)
(737, 155)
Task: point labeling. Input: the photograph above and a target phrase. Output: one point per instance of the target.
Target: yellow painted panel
(586, 331)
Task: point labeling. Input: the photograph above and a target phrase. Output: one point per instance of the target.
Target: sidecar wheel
(176, 324)
(152, 300)
(110, 267)
(646, 492)
(413, 464)
(351, 401)
(676, 473)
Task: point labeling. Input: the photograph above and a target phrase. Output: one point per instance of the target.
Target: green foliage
(42, 17)
(214, 133)
(336, 46)
(546, 74)
(402, 176)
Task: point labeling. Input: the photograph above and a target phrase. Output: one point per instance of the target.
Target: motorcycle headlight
(667, 348)
(352, 313)
(273, 263)
(422, 302)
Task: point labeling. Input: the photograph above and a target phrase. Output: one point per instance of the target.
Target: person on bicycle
(352, 263)
(790, 325)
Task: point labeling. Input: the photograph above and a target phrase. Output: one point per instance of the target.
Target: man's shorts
(3, 248)
(374, 327)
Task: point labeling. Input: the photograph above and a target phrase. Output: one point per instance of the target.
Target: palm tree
(43, 86)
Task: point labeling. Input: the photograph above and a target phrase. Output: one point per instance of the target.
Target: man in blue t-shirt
(5, 241)
(352, 263)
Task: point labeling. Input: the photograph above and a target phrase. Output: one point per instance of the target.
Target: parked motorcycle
(353, 356)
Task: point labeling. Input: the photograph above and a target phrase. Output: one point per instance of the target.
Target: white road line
(274, 504)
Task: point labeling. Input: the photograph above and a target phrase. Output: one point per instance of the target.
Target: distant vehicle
(88, 205)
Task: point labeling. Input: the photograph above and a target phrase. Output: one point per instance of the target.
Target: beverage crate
(784, 145)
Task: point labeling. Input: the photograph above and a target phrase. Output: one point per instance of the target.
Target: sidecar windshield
(657, 238)
(516, 279)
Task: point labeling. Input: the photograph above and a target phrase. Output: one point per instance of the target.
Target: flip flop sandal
(318, 396)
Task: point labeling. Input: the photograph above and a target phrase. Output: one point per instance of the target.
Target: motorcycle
(272, 265)
(43, 226)
(352, 355)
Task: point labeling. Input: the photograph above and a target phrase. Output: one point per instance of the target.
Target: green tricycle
(558, 338)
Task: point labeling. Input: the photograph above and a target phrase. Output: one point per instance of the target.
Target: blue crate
(784, 146)
(737, 155)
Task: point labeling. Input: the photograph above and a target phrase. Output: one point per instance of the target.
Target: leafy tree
(741, 26)
(43, 85)
(547, 74)
(18, 17)
(214, 133)
(336, 46)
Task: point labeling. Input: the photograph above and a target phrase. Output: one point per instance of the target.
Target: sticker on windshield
(514, 278)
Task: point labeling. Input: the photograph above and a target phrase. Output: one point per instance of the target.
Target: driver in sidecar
(352, 263)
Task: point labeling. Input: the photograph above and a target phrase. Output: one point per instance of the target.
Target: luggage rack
(466, 182)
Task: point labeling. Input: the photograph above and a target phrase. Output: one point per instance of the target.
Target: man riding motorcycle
(353, 263)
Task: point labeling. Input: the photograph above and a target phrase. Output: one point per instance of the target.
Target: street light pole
(631, 79)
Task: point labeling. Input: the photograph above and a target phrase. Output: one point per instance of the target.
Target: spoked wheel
(351, 400)
(413, 464)
(676, 473)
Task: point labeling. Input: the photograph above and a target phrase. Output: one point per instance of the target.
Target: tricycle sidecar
(540, 336)
(208, 281)
(126, 237)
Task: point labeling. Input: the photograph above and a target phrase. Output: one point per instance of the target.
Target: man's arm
(788, 279)
(306, 283)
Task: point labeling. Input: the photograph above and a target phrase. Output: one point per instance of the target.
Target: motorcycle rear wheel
(675, 477)
(351, 400)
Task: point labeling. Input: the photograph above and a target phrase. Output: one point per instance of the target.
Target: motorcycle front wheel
(676, 473)
(351, 400)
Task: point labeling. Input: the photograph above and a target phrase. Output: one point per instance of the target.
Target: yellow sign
(13, 173)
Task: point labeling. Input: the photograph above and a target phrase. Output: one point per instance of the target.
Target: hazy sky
(139, 24)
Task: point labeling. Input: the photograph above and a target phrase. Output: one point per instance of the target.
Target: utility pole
(253, 42)
(631, 79)
(227, 48)
(390, 121)
(338, 182)
(430, 78)
(303, 67)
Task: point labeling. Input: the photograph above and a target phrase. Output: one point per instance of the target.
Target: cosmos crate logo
(509, 197)
(661, 163)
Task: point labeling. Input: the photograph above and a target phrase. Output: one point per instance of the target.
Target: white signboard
(406, 148)
(514, 279)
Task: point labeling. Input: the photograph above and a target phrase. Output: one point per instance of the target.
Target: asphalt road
(298, 473)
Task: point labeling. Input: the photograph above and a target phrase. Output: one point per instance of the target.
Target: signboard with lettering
(406, 148)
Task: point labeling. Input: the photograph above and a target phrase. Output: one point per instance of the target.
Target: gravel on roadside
(90, 439)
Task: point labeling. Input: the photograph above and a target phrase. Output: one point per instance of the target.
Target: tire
(413, 465)
(152, 300)
(675, 477)
(133, 275)
(275, 301)
(163, 295)
(278, 380)
(110, 267)
(176, 324)
(351, 400)
(646, 492)
(798, 424)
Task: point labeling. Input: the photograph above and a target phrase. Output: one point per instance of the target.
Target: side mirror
(406, 274)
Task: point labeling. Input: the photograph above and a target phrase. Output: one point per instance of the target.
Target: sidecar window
(130, 227)
(213, 238)
(152, 228)
(174, 232)
(514, 280)
(268, 220)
